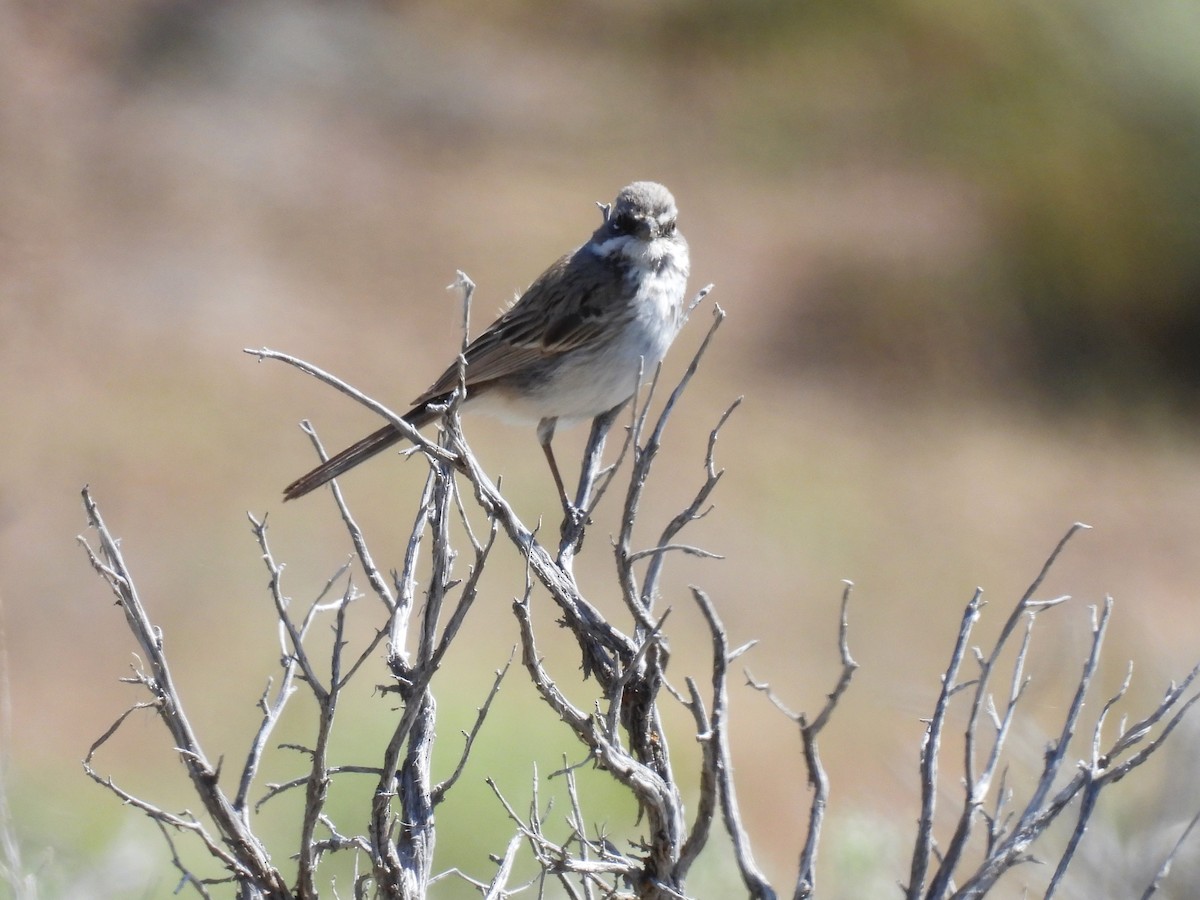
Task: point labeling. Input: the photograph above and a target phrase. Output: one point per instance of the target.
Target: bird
(574, 345)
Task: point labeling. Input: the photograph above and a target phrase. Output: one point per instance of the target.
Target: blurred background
(959, 249)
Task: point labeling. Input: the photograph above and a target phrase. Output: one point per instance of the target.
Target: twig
(931, 747)
(274, 790)
(289, 661)
(640, 601)
(807, 880)
(694, 510)
(374, 578)
(249, 858)
(410, 434)
(495, 890)
(753, 878)
(439, 792)
(1165, 869)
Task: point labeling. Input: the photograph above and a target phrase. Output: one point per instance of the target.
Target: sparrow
(572, 346)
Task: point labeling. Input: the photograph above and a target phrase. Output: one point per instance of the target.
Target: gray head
(644, 209)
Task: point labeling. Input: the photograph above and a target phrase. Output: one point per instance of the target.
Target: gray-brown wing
(558, 313)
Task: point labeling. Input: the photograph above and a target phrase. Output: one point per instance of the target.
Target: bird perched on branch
(574, 344)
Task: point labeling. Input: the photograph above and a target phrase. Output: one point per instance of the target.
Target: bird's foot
(575, 521)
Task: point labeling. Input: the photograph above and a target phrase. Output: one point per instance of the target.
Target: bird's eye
(623, 223)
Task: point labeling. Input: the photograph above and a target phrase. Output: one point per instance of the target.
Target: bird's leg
(558, 482)
(545, 433)
(574, 518)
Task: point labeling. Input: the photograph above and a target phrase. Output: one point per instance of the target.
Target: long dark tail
(372, 444)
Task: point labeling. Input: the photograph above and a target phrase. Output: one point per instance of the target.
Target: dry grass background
(180, 181)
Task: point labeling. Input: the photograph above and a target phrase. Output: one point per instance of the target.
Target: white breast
(603, 380)
(588, 381)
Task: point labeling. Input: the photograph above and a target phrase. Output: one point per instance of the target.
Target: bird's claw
(575, 520)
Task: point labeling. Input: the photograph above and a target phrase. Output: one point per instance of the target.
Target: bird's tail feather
(373, 443)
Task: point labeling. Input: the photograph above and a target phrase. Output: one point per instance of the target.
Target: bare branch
(817, 779)
(931, 747)
(407, 582)
(427, 446)
(1165, 869)
(620, 727)
(640, 602)
(439, 792)
(274, 790)
(696, 509)
(756, 883)
(252, 861)
(289, 661)
(496, 890)
(374, 578)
